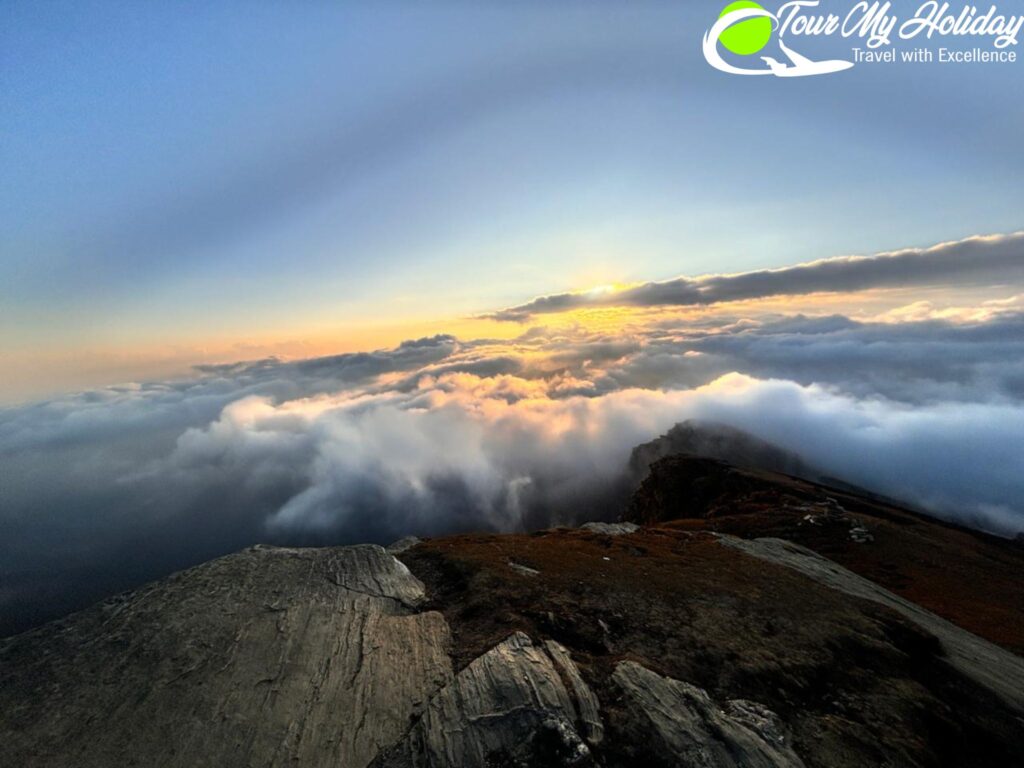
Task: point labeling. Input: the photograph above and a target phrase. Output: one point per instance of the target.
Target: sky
(242, 180)
(331, 272)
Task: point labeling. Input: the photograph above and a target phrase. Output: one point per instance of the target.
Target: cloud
(460, 452)
(915, 363)
(102, 490)
(975, 260)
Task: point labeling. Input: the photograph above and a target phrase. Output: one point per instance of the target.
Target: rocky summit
(734, 617)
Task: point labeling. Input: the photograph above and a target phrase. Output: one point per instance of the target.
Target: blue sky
(206, 178)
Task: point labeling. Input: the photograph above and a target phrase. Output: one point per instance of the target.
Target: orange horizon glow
(50, 370)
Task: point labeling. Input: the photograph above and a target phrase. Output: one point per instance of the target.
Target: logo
(745, 28)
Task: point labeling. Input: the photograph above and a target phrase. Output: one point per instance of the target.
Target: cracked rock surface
(688, 728)
(263, 658)
(611, 529)
(508, 706)
(280, 656)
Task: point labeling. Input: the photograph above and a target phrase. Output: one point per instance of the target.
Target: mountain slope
(674, 643)
(968, 577)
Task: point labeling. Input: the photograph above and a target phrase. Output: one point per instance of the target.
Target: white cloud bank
(466, 451)
(105, 489)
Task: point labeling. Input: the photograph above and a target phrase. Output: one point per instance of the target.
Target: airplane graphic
(802, 66)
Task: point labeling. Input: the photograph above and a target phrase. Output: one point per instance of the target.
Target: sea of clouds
(104, 489)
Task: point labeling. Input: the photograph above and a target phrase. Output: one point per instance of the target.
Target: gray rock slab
(587, 706)
(268, 657)
(688, 728)
(611, 529)
(525, 570)
(370, 570)
(493, 712)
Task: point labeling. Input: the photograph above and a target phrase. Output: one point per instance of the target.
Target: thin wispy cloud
(975, 260)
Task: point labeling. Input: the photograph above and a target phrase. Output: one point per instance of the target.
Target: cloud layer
(104, 489)
(975, 260)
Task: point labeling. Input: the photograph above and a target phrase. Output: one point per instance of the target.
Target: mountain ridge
(691, 635)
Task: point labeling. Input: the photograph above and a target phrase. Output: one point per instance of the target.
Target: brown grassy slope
(970, 578)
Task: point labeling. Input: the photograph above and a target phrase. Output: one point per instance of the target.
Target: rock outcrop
(690, 729)
(509, 707)
(718, 441)
(702, 640)
(587, 706)
(611, 529)
(680, 487)
(264, 658)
